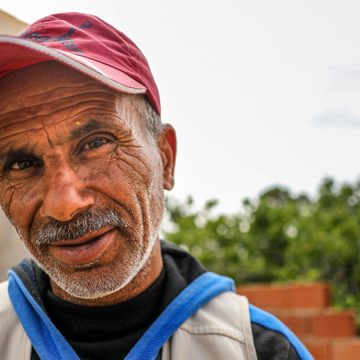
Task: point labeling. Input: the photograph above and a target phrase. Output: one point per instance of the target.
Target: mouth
(85, 250)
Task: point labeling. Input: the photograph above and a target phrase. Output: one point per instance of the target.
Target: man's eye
(22, 165)
(95, 143)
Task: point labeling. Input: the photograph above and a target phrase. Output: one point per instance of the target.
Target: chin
(97, 280)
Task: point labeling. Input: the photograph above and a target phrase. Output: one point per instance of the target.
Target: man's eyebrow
(12, 156)
(87, 127)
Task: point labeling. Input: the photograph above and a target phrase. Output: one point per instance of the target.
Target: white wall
(9, 25)
(11, 248)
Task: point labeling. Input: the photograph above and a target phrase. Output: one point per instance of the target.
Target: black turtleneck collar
(87, 324)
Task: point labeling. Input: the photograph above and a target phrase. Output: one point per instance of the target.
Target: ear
(167, 147)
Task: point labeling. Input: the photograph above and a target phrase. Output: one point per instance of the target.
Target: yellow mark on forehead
(78, 123)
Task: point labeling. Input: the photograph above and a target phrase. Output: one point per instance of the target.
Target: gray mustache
(86, 222)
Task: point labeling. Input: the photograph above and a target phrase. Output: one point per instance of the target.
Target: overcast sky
(260, 92)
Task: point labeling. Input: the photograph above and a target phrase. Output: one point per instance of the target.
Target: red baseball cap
(86, 44)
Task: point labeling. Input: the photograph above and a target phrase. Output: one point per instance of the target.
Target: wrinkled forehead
(41, 83)
(50, 93)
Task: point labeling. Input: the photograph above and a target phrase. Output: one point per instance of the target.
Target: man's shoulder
(218, 330)
(221, 314)
(223, 311)
(231, 315)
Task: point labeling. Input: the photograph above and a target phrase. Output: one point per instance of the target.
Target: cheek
(120, 168)
(19, 204)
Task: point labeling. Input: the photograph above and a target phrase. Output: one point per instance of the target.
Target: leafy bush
(279, 237)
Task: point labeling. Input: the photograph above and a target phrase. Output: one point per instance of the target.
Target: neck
(144, 278)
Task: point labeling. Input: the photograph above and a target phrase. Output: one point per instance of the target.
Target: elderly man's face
(80, 178)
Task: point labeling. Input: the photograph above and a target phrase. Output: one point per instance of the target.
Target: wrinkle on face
(45, 92)
(56, 119)
(45, 111)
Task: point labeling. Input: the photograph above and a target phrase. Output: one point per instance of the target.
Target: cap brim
(18, 53)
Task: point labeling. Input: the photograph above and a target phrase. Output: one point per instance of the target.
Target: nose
(65, 195)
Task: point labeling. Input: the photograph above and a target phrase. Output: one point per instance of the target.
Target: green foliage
(279, 237)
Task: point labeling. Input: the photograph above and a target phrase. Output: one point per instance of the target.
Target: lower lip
(83, 254)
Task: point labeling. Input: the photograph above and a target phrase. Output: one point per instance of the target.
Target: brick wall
(329, 334)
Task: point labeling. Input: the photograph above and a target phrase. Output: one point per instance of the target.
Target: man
(84, 161)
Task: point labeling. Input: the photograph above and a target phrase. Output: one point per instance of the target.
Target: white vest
(219, 330)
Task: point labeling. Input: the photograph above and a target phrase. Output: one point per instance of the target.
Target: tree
(279, 237)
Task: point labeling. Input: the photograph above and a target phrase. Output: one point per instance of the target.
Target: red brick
(332, 324)
(308, 296)
(346, 349)
(319, 349)
(267, 297)
(305, 296)
(297, 323)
